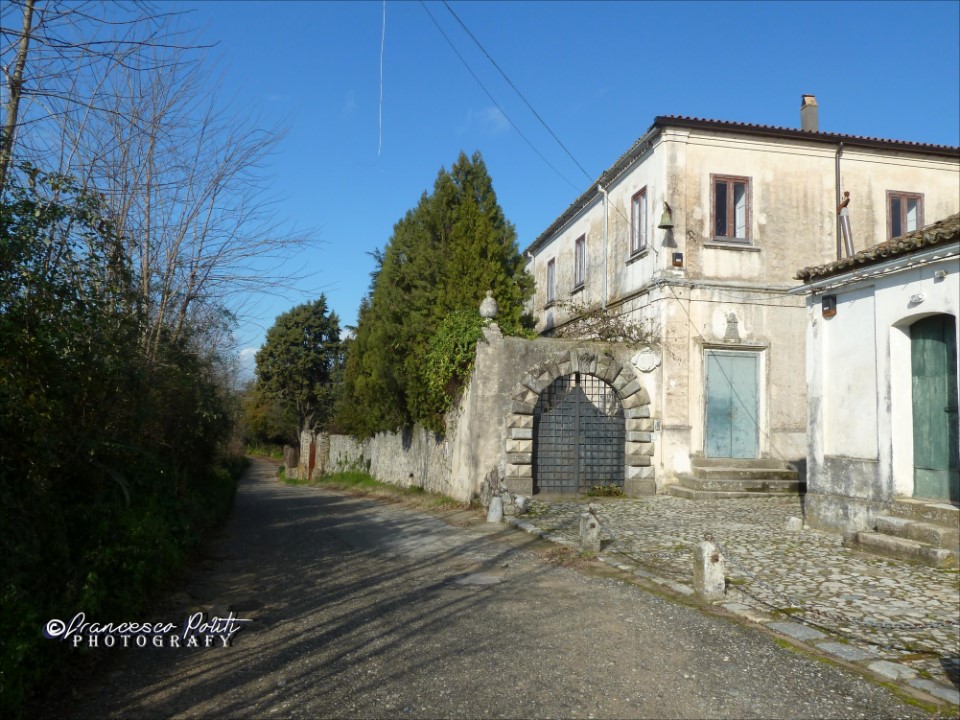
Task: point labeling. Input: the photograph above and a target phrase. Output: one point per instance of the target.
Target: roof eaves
(938, 233)
(816, 136)
(611, 174)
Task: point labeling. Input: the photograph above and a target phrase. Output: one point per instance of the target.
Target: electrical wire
(750, 413)
(383, 38)
(516, 90)
(528, 104)
(492, 99)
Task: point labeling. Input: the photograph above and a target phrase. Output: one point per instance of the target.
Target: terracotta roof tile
(939, 233)
(812, 134)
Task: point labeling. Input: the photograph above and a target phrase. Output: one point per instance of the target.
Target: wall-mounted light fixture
(666, 220)
(828, 305)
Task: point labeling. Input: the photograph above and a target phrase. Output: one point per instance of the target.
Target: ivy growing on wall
(443, 256)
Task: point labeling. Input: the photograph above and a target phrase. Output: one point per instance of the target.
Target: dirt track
(365, 609)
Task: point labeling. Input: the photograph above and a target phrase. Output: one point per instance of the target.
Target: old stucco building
(884, 446)
(696, 232)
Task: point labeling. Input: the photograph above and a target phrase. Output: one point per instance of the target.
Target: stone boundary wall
(489, 438)
(415, 457)
(346, 453)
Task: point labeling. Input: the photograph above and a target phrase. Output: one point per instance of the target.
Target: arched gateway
(578, 420)
(578, 436)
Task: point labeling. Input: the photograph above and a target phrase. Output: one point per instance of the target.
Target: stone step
(754, 484)
(939, 536)
(939, 513)
(768, 463)
(901, 549)
(730, 473)
(693, 494)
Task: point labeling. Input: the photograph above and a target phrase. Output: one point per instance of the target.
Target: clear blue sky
(598, 73)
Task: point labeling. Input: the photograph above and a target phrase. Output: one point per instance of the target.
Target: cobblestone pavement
(900, 620)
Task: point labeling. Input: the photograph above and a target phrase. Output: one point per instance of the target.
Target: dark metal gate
(578, 436)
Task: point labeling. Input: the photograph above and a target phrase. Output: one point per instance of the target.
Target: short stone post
(495, 511)
(709, 579)
(590, 531)
(291, 459)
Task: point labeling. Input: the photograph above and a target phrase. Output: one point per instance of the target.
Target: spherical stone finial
(489, 308)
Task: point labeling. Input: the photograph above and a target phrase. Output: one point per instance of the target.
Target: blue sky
(598, 73)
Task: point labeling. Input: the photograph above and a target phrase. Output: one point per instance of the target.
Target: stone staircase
(922, 531)
(730, 478)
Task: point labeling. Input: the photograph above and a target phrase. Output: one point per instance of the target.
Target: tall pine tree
(442, 258)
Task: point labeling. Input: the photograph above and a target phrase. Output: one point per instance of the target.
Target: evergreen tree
(299, 362)
(443, 256)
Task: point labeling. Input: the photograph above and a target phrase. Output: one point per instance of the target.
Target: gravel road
(366, 609)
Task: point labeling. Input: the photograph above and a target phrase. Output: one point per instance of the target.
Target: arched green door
(936, 445)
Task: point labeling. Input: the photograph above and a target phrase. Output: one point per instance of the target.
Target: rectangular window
(551, 281)
(731, 208)
(904, 213)
(638, 222)
(581, 264)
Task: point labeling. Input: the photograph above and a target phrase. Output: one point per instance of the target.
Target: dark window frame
(580, 261)
(639, 241)
(903, 196)
(730, 209)
(551, 281)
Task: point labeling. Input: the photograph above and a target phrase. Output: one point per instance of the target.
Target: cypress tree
(442, 258)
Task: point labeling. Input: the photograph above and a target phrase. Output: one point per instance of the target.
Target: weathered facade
(882, 337)
(695, 232)
(493, 430)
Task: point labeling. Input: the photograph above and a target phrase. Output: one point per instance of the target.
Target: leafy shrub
(108, 473)
(606, 491)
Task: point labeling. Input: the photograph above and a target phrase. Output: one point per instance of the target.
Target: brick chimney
(808, 113)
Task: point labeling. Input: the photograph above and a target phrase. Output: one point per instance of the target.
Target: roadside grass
(361, 483)
(268, 451)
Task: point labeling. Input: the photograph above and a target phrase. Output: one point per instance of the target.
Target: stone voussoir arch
(638, 451)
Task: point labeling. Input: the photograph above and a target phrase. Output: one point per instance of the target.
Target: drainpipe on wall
(606, 200)
(839, 231)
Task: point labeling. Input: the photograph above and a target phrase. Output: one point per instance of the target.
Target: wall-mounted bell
(666, 220)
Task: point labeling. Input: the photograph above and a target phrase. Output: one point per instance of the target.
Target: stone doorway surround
(638, 438)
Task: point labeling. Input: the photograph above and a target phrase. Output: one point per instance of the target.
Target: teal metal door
(933, 356)
(732, 391)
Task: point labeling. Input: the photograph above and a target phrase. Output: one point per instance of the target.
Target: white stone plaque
(646, 360)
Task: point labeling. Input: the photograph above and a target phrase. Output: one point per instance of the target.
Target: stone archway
(638, 443)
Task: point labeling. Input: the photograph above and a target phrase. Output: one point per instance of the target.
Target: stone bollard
(495, 511)
(794, 524)
(291, 459)
(589, 533)
(709, 580)
(522, 503)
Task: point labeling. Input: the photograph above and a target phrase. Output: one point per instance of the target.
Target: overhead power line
(492, 99)
(517, 90)
(383, 38)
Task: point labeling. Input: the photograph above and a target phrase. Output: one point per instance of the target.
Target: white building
(744, 206)
(882, 338)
